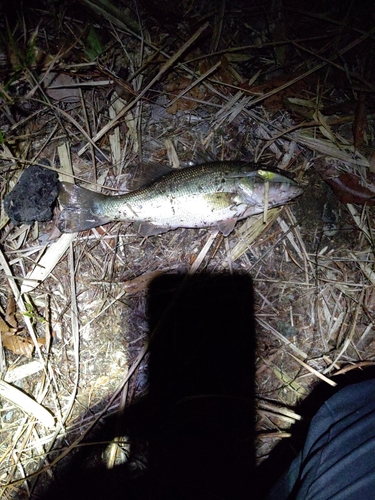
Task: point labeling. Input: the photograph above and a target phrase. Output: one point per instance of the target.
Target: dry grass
(80, 300)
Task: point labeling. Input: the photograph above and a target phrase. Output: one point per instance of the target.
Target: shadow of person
(202, 385)
(198, 416)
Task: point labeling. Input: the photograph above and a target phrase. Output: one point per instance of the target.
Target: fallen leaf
(10, 313)
(61, 87)
(348, 189)
(4, 327)
(360, 122)
(369, 153)
(141, 282)
(18, 345)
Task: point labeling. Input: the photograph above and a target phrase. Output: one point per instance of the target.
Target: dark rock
(33, 197)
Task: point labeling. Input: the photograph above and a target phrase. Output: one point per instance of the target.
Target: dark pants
(337, 461)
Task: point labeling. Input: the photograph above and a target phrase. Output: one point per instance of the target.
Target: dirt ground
(148, 361)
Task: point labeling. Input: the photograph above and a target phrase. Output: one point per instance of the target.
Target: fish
(215, 194)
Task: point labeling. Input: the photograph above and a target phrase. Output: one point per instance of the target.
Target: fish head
(254, 192)
(282, 192)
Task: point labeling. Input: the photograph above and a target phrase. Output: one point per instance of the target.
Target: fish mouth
(284, 193)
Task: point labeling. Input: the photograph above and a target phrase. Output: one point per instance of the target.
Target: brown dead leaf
(61, 87)
(369, 153)
(141, 282)
(225, 75)
(185, 104)
(18, 345)
(4, 327)
(276, 102)
(9, 322)
(360, 122)
(348, 189)
(10, 313)
(175, 86)
(10, 337)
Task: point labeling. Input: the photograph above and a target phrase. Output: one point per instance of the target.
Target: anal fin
(226, 226)
(147, 229)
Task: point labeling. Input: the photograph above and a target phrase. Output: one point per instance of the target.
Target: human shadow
(197, 420)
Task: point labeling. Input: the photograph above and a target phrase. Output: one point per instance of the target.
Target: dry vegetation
(101, 88)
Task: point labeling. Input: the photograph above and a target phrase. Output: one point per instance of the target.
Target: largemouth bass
(216, 194)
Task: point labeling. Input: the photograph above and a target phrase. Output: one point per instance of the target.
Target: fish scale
(216, 194)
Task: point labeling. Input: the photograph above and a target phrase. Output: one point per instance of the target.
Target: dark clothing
(337, 461)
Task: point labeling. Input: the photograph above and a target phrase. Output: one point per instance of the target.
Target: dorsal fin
(143, 175)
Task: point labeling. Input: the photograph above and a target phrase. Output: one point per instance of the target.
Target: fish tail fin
(81, 209)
